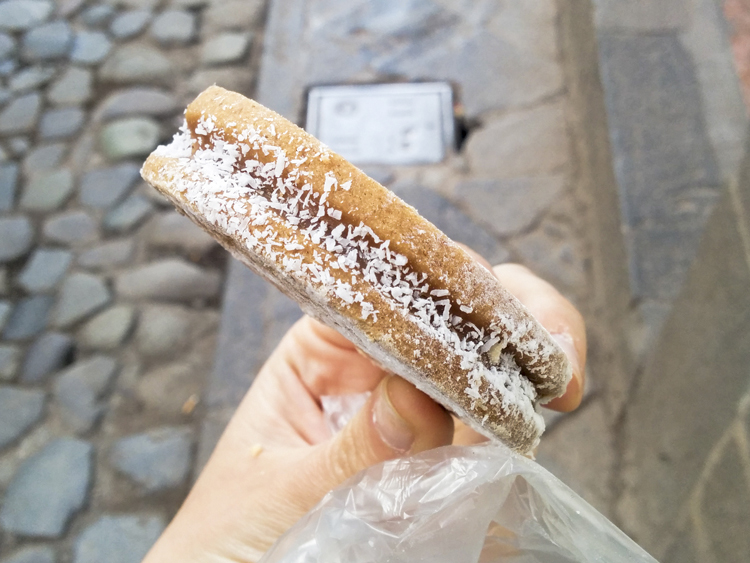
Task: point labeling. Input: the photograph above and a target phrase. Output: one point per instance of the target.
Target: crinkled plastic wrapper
(482, 504)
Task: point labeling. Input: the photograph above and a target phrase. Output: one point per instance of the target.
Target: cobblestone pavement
(110, 299)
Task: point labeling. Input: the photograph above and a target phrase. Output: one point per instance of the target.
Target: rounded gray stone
(7, 45)
(129, 24)
(174, 27)
(60, 123)
(48, 489)
(129, 137)
(44, 270)
(32, 554)
(20, 115)
(19, 410)
(129, 214)
(72, 88)
(31, 78)
(157, 460)
(19, 146)
(170, 279)
(5, 310)
(90, 47)
(233, 14)
(137, 64)
(81, 295)
(98, 15)
(70, 228)
(16, 237)
(49, 353)
(172, 230)
(8, 66)
(8, 185)
(118, 539)
(49, 41)
(29, 318)
(79, 391)
(104, 187)
(19, 15)
(108, 329)
(10, 357)
(107, 255)
(47, 192)
(163, 330)
(43, 158)
(138, 101)
(225, 48)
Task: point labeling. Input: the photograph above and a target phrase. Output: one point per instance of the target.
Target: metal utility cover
(394, 124)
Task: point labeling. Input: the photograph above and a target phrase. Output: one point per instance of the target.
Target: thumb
(398, 419)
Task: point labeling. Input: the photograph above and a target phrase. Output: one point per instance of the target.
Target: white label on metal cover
(392, 124)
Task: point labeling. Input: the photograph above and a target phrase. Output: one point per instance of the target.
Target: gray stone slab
(174, 27)
(167, 388)
(72, 88)
(157, 460)
(19, 146)
(49, 353)
(10, 357)
(104, 187)
(8, 185)
(31, 78)
(20, 115)
(49, 41)
(7, 45)
(129, 137)
(138, 101)
(44, 270)
(129, 214)
(29, 317)
(90, 47)
(233, 14)
(20, 409)
(32, 554)
(107, 255)
(172, 230)
(134, 64)
(108, 329)
(225, 48)
(170, 279)
(61, 123)
(72, 228)
(118, 539)
(79, 391)
(98, 15)
(48, 489)
(81, 295)
(43, 158)
(47, 192)
(130, 23)
(19, 15)
(163, 330)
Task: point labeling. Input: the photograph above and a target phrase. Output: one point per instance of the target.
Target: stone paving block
(98, 15)
(79, 391)
(50, 352)
(44, 270)
(130, 137)
(67, 8)
(20, 115)
(129, 214)
(108, 329)
(8, 66)
(19, 146)
(90, 47)
(104, 187)
(9, 360)
(238, 78)
(170, 280)
(47, 192)
(118, 539)
(7, 45)
(225, 48)
(29, 317)
(137, 64)
(157, 460)
(726, 508)
(109, 254)
(172, 230)
(31, 78)
(19, 15)
(8, 185)
(233, 14)
(73, 227)
(138, 101)
(130, 23)
(167, 388)
(44, 158)
(49, 41)
(20, 409)
(81, 295)
(510, 206)
(174, 27)
(524, 143)
(72, 88)
(60, 123)
(163, 330)
(48, 489)
(32, 554)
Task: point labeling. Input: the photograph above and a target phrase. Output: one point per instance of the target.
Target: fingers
(559, 317)
(397, 420)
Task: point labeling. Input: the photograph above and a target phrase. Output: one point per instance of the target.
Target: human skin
(277, 457)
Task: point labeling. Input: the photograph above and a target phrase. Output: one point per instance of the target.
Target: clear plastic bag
(482, 504)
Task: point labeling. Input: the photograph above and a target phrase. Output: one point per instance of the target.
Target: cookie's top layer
(264, 186)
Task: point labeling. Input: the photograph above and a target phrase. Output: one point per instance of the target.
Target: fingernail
(565, 341)
(393, 429)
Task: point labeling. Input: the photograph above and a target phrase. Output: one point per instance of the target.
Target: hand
(277, 458)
